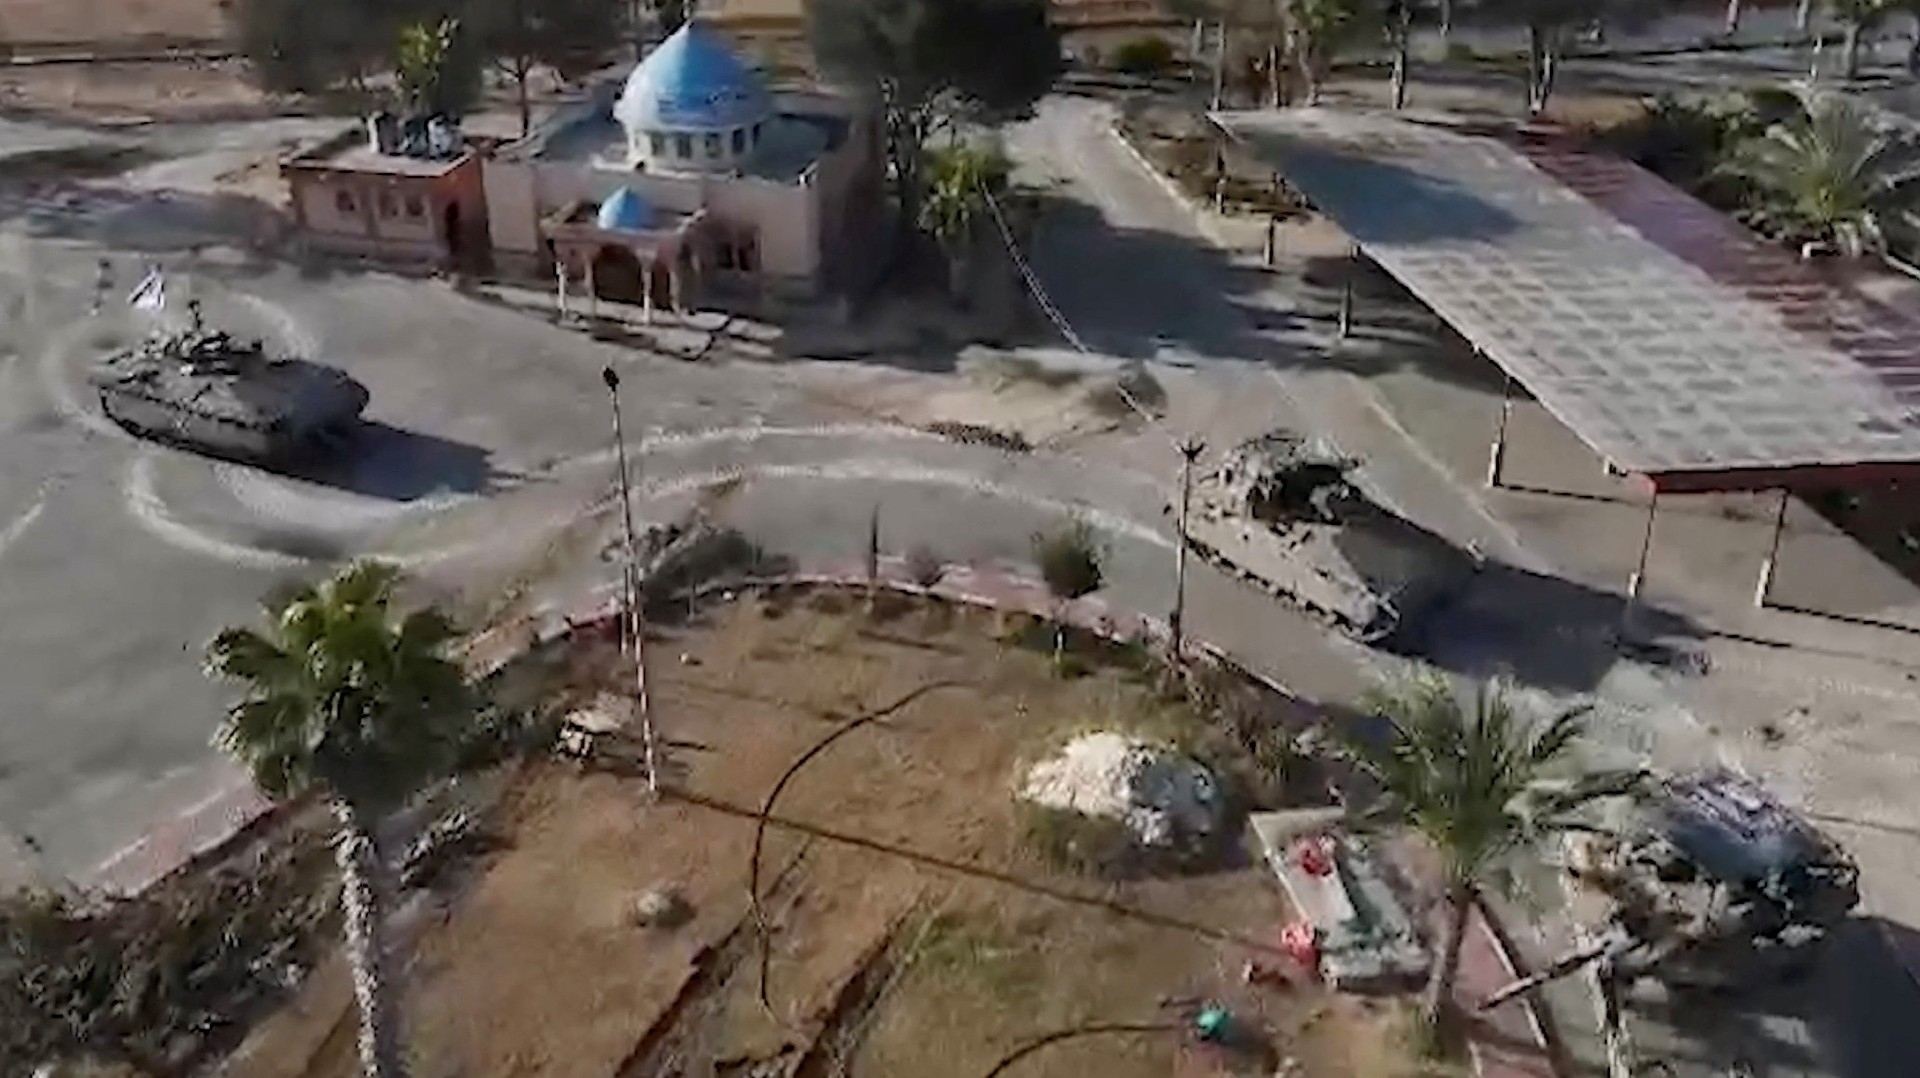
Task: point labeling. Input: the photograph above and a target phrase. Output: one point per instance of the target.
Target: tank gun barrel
(1609, 946)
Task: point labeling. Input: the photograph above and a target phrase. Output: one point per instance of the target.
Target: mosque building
(691, 181)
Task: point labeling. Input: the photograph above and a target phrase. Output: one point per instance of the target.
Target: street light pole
(630, 586)
(1190, 450)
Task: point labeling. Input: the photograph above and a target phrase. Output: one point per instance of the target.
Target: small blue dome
(625, 211)
(692, 81)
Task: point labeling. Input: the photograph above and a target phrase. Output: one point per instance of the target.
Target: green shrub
(1072, 560)
(1148, 55)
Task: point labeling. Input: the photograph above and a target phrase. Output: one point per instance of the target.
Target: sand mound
(1164, 797)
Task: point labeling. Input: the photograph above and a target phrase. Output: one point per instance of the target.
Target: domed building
(692, 106)
(691, 182)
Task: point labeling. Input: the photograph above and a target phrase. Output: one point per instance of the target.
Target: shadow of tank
(216, 394)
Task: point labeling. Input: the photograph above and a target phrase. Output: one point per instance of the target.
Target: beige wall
(785, 216)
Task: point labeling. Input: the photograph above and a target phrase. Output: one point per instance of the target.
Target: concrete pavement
(1549, 610)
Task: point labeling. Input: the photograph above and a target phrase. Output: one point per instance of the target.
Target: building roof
(692, 80)
(1661, 332)
(624, 211)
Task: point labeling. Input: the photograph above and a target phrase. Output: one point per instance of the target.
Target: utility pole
(631, 587)
(1190, 450)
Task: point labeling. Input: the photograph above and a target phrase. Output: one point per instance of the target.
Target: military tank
(1282, 510)
(1711, 882)
(217, 394)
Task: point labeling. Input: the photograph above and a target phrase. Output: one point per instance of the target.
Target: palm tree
(1322, 29)
(1479, 784)
(1833, 172)
(961, 179)
(345, 700)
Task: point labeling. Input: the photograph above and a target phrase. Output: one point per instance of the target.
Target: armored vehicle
(1282, 509)
(218, 394)
(1712, 883)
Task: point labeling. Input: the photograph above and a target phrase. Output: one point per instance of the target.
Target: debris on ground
(661, 907)
(1163, 797)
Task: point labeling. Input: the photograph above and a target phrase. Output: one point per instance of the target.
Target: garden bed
(915, 925)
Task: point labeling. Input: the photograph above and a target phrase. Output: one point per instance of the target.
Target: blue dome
(625, 212)
(692, 81)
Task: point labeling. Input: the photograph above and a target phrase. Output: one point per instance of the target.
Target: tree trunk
(1803, 16)
(1274, 74)
(520, 77)
(1913, 50)
(1541, 59)
(1402, 44)
(1850, 45)
(366, 899)
(1446, 21)
(1734, 8)
(1447, 970)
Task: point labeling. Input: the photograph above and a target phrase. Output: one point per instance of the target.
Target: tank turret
(210, 391)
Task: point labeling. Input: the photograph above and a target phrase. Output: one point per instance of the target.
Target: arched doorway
(456, 243)
(616, 274)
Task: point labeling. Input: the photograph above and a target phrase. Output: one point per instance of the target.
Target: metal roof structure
(1671, 340)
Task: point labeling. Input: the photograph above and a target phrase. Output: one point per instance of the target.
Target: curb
(1202, 216)
(237, 812)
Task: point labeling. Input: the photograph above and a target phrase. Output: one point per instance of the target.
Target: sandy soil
(111, 22)
(912, 930)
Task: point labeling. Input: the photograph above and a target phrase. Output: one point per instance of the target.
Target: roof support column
(1346, 290)
(646, 291)
(1497, 455)
(1765, 583)
(593, 293)
(560, 286)
(1639, 578)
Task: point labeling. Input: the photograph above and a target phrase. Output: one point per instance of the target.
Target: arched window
(714, 145)
(683, 146)
(657, 142)
(739, 140)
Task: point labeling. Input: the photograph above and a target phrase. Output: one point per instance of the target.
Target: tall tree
(345, 699)
(300, 47)
(1397, 18)
(1833, 174)
(1319, 30)
(960, 180)
(1481, 785)
(930, 63)
(1551, 26)
(437, 67)
(568, 37)
(1857, 19)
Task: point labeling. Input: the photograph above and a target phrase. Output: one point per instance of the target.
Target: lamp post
(630, 584)
(1190, 450)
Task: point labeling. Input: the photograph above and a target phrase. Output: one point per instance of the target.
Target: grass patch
(1096, 846)
(963, 949)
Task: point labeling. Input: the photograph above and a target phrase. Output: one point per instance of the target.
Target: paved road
(1287, 369)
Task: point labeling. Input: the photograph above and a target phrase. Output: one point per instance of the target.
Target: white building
(692, 177)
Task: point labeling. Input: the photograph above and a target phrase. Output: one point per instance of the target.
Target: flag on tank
(151, 293)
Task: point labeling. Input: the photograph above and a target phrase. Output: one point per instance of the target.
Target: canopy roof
(1662, 333)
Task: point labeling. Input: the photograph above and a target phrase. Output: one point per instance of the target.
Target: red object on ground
(1299, 942)
(1313, 858)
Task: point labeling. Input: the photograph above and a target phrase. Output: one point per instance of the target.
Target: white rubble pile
(1162, 796)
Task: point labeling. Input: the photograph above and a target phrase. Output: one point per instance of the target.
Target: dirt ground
(912, 928)
(111, 22)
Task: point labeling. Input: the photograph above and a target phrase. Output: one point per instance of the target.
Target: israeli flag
(151, 293)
